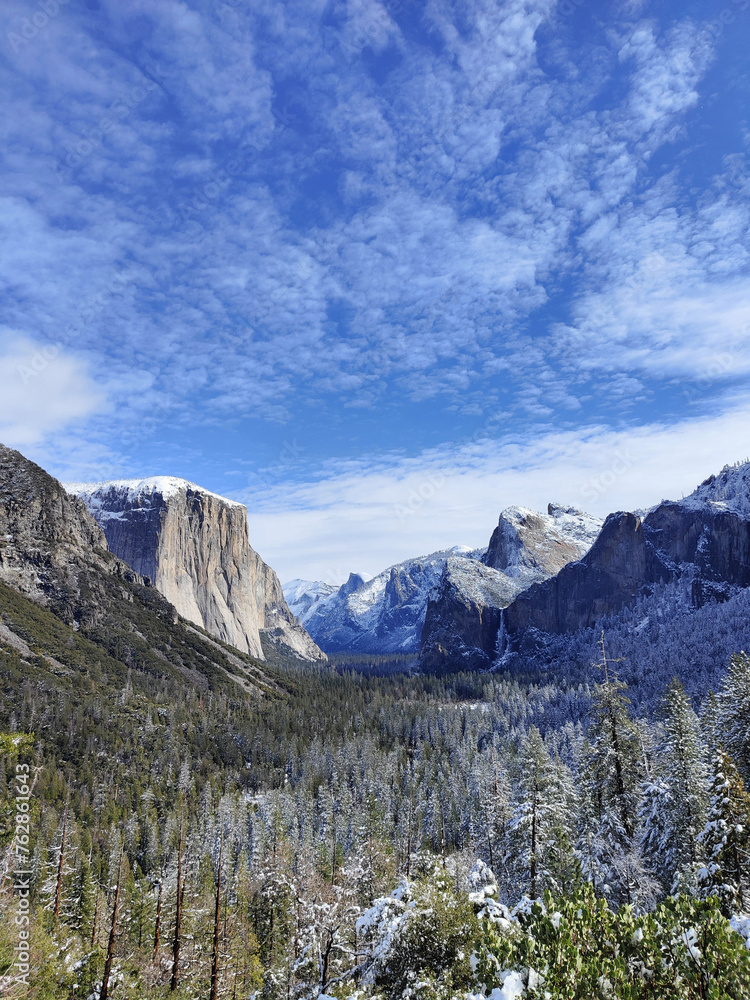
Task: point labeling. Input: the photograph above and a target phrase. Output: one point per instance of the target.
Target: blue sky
(378, 269)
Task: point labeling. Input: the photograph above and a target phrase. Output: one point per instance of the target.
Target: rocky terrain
(701, 542)
(463, 614)
(193, 546)
(380, 616)
(50, 548)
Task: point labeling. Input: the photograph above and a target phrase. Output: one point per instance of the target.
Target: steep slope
(382, 615)
(194, 547)
(463, 613)
(70, 606)
(702, 541)
(50, 548)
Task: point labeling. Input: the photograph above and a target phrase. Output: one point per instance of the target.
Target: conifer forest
(359, 829)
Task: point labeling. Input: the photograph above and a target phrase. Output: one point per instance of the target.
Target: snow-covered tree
(540, 811)
(733, 723)
(725, 839)
(609, 846)
(673, 809)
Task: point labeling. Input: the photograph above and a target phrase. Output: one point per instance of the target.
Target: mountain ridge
(703, 540)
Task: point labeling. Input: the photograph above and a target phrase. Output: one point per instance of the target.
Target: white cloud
(372, 515)
(44, 391)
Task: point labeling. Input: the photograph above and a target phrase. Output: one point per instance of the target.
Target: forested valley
(358, 829)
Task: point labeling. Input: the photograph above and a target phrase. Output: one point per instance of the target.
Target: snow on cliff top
(570, 522)
(730, 490)
(133, 490)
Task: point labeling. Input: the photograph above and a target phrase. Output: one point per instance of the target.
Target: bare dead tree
(112, 934)
(217, 921)
(157, 924)
(61, 862)
(177, 940)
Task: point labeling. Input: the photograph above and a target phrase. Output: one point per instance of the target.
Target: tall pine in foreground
(733, 716)
(539, 830)
(609, 846)
(675, 801)
(725, 839)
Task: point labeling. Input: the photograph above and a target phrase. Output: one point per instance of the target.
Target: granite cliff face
(194, 547)
(51, 549)
(703, 540)
(464, 611)
(620, 561)
(463, 617)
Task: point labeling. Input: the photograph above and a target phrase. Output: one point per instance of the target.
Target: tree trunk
(112, 935)
(176, 943)
(157, 925)
(217, 913)
(96, 913)
(61, 863)
(533, 844)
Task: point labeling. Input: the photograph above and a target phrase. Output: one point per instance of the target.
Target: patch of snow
(137, 492)
(729, 490)
(740, 922)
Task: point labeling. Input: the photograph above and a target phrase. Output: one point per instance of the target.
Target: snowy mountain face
(533, 546)
(193, 545)
(729, 491)
(302, 596)
(463, 613)
(701, 543)
(380, 616)
(387, 615)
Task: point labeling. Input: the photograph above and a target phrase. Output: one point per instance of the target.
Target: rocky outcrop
(619, 563)
(51, 549)
(384, 615)
(703, 540)
(527, 542)
(280, 627)
(194, 547)
(463, 617)
(464, 612)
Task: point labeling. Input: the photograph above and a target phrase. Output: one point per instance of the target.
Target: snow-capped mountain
(303, 596)
(381, 615)
(193, 545)
(463, 613)
(389, 613)
(701, 542)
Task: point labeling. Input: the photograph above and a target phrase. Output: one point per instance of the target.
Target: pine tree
(84, 895)
(673, 811)
(541, 805)
(725, 839)
(608, 845)
(734, 713)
